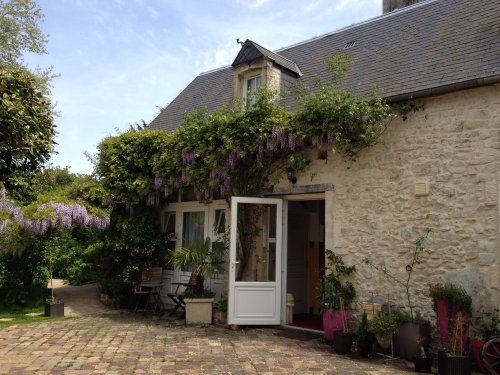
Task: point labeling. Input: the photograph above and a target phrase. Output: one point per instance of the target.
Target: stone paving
(128, 344)
(93, 341)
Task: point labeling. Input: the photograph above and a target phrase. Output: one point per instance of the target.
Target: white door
(254, 296)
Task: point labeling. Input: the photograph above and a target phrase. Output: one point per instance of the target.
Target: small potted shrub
(422, 361)
(332, 287)
(383, 327)
(365, 339)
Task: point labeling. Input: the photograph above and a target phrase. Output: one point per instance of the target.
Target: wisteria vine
(53, 214)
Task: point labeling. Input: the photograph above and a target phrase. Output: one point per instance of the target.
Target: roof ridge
(382, 16)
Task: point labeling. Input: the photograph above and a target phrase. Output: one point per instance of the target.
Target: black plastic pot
(422, 364)
(454, 364)
(342, 342)
(54, 308)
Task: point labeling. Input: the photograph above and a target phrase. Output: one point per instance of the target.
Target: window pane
(220, 221)
(169, 229)
(193, 227)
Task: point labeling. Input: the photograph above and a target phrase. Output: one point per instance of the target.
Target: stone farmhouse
(439, 169)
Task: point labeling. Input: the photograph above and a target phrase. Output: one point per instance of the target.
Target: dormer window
(249, 89)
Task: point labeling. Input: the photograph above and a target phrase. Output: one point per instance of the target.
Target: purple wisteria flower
(159, 182)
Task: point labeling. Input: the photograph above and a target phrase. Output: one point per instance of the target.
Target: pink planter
(442, 317)
(476, 346)
(332, 323)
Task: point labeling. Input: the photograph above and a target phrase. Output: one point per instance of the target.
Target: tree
(27, 129)
(20, 31)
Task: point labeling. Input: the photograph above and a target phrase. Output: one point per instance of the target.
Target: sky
(120, 61)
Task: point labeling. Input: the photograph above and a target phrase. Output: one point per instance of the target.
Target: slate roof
(432, 46)
(251, 51)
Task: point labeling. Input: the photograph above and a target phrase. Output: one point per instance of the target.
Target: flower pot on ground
(365, 339)
(333, 286)
(384, 326)
(343, 339)
(54, 308)
(454, 364)
(199, 310)
(476, 347)
(422, 364)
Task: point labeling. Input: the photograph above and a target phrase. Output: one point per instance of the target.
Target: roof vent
(350, 44)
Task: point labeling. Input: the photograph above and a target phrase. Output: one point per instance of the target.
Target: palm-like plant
(203, 257)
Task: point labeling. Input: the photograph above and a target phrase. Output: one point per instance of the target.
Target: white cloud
(153, 13)
(253, 4)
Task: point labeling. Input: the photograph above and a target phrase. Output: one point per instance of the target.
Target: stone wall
(454, 146)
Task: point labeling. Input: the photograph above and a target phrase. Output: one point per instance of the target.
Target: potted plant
(414, 331)
(220, 311)
(449, 300)
(364, 338)
(343, 339)
(205, 261)
(332, 287)
(383, 327)
(53, 306)
(455, 360)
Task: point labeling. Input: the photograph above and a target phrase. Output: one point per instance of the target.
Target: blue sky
(119, 61)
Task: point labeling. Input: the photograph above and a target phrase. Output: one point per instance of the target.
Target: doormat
(298, 335)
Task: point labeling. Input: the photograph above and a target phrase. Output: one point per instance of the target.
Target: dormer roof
(251, 51)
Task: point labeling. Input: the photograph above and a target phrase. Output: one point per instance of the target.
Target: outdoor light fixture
(292, 178)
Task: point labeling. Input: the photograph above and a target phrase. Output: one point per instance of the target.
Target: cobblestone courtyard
(127, 344)
(94, 339)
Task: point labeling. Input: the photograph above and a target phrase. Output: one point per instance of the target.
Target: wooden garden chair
(148, 287)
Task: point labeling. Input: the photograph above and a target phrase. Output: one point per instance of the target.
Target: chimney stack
(390, 5)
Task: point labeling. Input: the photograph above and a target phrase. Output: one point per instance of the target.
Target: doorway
(305, 261)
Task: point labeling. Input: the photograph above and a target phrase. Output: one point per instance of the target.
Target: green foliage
(20, 30)
(27, 132)
(125, 163)
(334, 285)
(23, 278)
(128, 245)
(456, 296)
(204, 259)
(384, 324)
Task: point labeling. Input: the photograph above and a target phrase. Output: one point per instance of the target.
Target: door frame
(284, 257)
(276, 285)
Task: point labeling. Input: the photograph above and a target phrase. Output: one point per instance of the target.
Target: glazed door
(254, 296)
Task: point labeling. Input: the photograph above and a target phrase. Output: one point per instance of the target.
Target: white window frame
(253, 76)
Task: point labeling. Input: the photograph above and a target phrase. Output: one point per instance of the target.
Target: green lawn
(19, 316)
